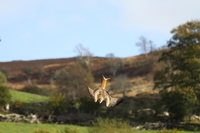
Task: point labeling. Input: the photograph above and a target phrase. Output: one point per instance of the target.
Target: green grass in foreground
(11, 127)
(8, 127)
(27, 97)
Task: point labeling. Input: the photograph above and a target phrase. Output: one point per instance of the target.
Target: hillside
(139, 70)
(27, 97)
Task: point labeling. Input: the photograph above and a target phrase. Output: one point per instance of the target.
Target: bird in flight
(101, 94)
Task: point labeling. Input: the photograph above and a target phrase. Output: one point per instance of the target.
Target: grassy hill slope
(27, 97)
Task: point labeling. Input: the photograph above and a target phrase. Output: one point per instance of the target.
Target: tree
(178, 102)
(83, 54)
(5, 96)
(3, 78)
(113, 63)
(182, 59)
(5, 71)
(120, 84)
(145, 45)
(57, 104)
(73, 79)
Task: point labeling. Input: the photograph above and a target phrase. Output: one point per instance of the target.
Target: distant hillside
(14, 66)
(139, 69)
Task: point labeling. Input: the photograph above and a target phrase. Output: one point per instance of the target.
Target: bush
(32, 88)
(57, 104)
(110, 126)
(178, 102)
(87, 105)
(17, 106)
(5, 96)
(3, 78)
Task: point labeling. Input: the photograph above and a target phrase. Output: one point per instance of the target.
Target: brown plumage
(101, 94)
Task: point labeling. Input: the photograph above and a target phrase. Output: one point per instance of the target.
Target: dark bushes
(32, 88)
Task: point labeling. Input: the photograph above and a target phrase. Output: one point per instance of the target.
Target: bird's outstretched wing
(112, 101)
(94, 93)
(91, 91)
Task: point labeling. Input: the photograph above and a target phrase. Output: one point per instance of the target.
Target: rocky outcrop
(19, 118)
(151, 126)
(80, 119)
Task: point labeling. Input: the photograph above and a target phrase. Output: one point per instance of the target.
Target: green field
(27, 97)
(8, 127)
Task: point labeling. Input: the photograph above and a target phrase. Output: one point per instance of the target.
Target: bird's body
(101, 94)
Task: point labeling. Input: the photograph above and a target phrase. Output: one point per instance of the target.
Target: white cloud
(156, 14)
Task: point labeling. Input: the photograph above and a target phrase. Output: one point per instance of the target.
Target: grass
(26, 97)
(8, 127)
(111, 126)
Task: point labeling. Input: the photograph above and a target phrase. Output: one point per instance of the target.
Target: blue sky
(46, 29)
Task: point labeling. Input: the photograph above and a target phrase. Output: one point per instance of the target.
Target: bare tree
(145, 45)
(120, 84)
(152, 46)
(83, 54)
(113, 63)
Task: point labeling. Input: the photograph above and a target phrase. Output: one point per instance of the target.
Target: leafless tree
(113, 63)
(145, 45)
(120, 84)
(83, 54)
(152, 46)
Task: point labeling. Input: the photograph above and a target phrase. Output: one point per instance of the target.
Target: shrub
(17, 106)
(87, 105)
(57, 104)
(32, 88)
(3, 78)
(5, 96)
(110, 126)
